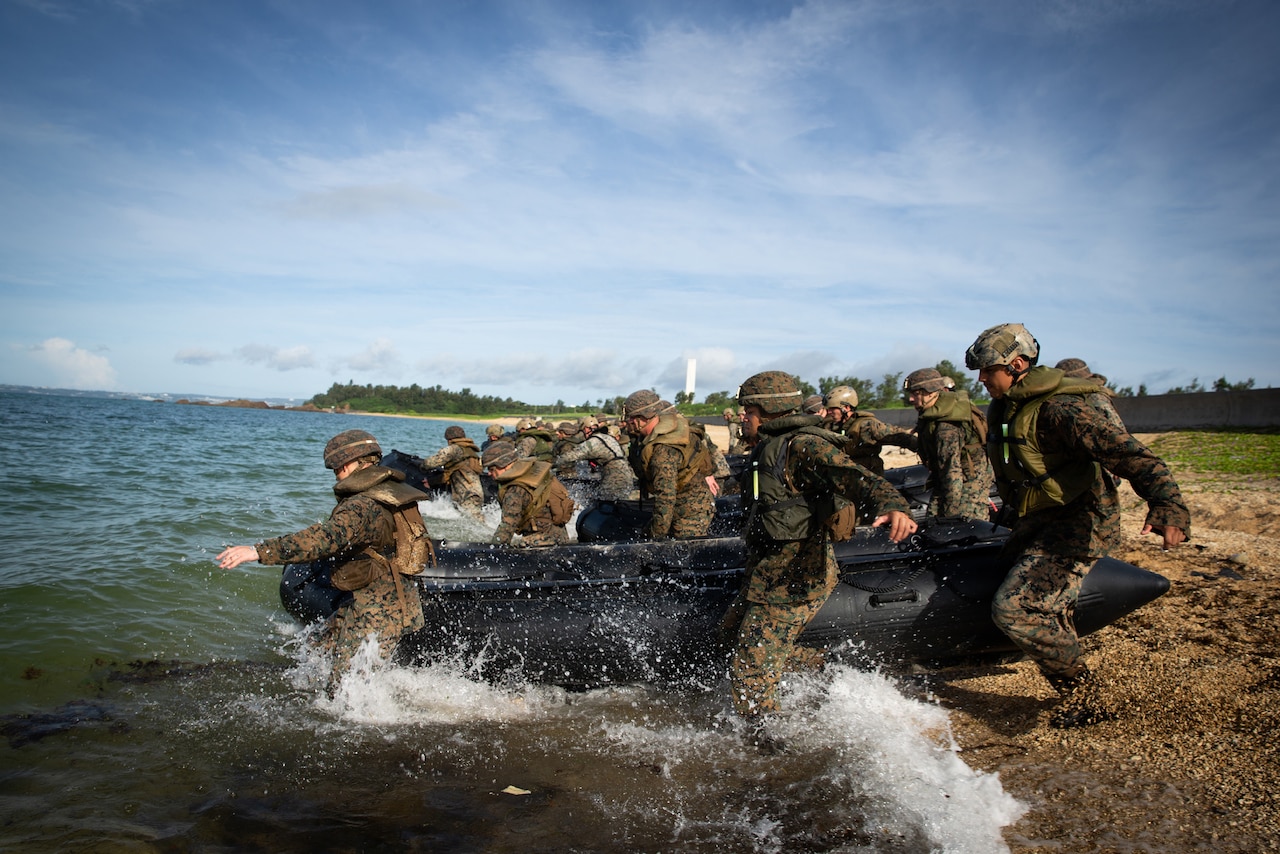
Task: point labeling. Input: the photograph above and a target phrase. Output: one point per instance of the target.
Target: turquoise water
(152, 702)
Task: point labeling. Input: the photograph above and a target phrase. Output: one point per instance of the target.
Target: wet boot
(1081, 704)
(759, 736)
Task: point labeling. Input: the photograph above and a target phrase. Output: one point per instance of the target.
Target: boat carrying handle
(879, 599)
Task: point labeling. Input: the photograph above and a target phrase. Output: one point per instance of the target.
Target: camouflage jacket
(669, 466)
(516, 493)
(960, 475)
(456, 458)
(356, 522)
(602, 451)
(802, 570)
(1072, 427)
(867, 435)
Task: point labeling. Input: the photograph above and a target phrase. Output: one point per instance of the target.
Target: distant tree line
(416, 400)
(886, 394)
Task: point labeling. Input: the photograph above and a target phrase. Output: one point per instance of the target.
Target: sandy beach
(1192, 762)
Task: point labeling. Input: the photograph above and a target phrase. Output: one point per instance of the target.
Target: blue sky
(569, 200)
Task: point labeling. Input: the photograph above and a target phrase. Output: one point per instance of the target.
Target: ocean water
(153, 702)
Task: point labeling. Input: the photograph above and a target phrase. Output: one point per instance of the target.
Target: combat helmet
(644, 403)
(999, 345)
(453, 431)
(350, 445)
(493, 431)
(927, 380)
(775, 392)
(499, 454)
(841, 395)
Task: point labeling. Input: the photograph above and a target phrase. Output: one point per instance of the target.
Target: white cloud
(72, 366)
(288, 359)
(380, 356)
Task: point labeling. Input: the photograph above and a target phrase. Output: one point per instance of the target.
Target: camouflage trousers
(467, 494)
(469, 503)
(765, 648)
(374, 610)
(692, 513)
(1035, 607)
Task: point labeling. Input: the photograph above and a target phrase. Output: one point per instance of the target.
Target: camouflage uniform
(788, 581)
(568, 436)
(515, 492)
(495, 433)
(461, 461)
(602, 451)
(378, 608)
(736, 445)
(1052, 547)
(867, 435)
(668, 468)
(536, 443)
(959, 473)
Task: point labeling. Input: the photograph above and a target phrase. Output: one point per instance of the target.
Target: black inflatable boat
(594, 613)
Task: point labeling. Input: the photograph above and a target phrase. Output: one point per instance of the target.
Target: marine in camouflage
(960, 482)
(950, 446)
(515, 499)
(1050, 549)
(378, 609)
(867, 436)
(606, 457)
(678, 512)
(461, 474)
(788, 581)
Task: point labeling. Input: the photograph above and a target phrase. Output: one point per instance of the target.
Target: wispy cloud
(199, 356)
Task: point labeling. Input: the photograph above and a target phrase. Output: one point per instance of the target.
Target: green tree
(888, 395)
(1221, 384)
(861, 386)
(1194, 388)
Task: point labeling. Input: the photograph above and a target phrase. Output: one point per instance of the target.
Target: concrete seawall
(1244, 410)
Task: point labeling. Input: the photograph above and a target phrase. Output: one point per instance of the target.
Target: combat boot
(1081, 704)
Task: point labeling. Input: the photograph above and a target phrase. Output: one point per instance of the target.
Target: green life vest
(1028, 478)
(954, 407)
(776, 510)
(543, 444)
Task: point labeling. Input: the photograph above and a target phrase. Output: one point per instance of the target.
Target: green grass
(1220, 452)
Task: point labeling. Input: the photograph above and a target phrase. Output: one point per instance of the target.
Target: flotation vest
(403, 546)
(1029, 479)
(674, 429)
(543, 445)
(469, 461)
(545, 491)
(954, 407)
(775, 509)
